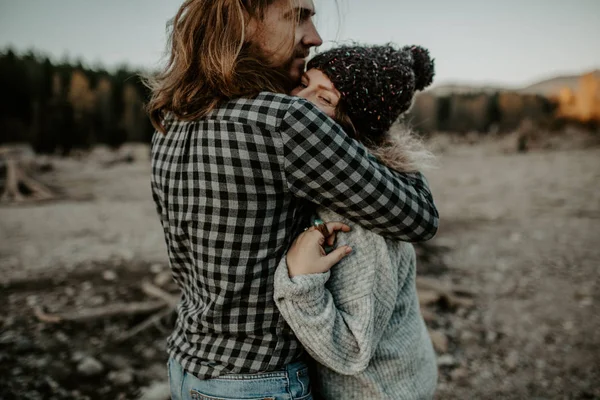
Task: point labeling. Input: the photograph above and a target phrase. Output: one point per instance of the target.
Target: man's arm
(325, 166)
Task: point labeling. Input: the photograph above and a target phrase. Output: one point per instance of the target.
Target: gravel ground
(523, 233)
(520, 230)
(107, 215)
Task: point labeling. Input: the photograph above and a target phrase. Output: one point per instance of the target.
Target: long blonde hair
(211, 61)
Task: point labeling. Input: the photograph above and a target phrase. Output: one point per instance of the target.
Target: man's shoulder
(262, 99)
(266, 109)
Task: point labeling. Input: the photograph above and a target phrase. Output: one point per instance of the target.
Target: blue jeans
(289, 383)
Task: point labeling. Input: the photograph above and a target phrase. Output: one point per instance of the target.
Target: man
(237, 167)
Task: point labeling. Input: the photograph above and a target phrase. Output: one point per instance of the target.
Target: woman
(361, 320)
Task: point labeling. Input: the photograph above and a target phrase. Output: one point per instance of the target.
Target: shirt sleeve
(325, 166)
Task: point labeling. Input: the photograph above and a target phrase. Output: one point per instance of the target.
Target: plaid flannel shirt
(233, 190)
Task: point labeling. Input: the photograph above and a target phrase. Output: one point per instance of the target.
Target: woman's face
(316, 87)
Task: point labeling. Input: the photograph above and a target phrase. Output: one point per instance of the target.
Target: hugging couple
(288, 203)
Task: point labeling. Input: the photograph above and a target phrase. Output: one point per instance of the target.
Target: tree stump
(18, 185)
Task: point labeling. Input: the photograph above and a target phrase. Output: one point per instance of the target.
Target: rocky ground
(523, 232)
(510, 283)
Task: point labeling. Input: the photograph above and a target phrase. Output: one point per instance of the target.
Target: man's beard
(294, 74)
(294, 68)
(289, 74)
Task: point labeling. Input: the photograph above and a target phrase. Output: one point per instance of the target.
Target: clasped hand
(307, 255)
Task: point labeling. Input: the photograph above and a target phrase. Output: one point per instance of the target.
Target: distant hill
(553, 85)
(545, 87)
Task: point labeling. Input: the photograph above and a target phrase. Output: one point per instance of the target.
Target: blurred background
(509, 286)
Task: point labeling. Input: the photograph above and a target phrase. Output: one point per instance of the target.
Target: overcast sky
(509, 42)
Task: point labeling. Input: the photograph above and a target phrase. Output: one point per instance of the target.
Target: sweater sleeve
(340, 333)
(325, 166)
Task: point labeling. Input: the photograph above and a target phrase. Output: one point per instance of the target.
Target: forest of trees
(481, 112)
(56, 107)
(60, 106)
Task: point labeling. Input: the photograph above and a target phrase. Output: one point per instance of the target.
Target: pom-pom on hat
(377, 83)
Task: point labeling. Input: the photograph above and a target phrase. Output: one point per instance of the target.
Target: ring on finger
(321, 227)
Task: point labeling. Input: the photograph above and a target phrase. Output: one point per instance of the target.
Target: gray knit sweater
(361, 320)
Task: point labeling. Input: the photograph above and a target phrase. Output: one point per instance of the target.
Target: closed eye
(327, 101)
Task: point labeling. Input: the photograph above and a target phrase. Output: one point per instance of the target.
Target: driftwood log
(108, 311)
(162, 306)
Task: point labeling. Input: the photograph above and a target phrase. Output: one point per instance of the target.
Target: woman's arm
(322, 164)
(340, 332)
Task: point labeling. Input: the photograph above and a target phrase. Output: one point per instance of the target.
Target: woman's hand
(307, 256)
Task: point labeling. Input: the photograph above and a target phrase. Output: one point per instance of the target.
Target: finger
(333, 228)
(334, 257)
(323, 229)
(331, 239)
(337, 226)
